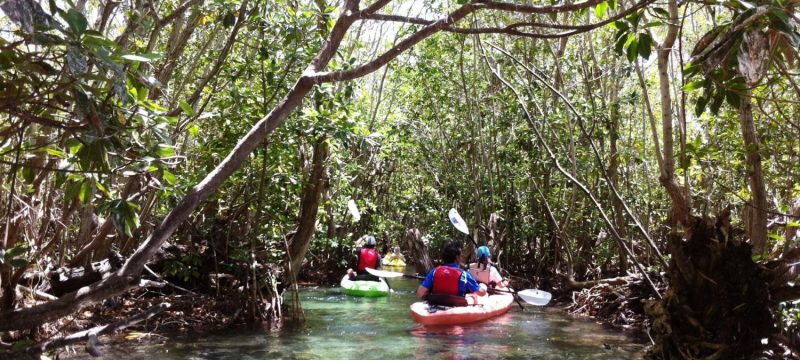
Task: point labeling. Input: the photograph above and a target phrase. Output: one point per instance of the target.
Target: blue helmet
(370, 240)
(483, 252)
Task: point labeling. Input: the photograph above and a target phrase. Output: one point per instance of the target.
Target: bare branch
(534, 9)
(392, 53)
(513, 29)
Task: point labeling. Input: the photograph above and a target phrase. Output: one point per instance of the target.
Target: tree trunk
(756, 209)
(312, 192)
(613, 175)
(680, 207)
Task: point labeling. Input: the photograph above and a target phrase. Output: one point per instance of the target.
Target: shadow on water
(343, 327)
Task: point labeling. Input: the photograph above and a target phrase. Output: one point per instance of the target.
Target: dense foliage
(546, 138)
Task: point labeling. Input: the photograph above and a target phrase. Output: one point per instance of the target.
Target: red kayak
(480, 308)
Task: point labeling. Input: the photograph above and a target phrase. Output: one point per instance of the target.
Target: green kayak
(365, 288)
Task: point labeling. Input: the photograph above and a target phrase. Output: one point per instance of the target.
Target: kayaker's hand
(492, 284)
(482, 290)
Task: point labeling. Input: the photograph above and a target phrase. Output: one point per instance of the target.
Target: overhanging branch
(514, 29)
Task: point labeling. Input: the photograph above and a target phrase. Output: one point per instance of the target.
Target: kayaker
(484, 271)
(448, 284)
(368, 257)
(394, 257)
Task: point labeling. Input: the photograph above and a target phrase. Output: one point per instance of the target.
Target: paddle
(530, 296)
(457, 221)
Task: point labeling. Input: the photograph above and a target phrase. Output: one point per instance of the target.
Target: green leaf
(600, 9)
(716, 103)
(633, 50)
(73, 188)
(186, 107)
(55, 152)
(700, 105)
(77, 22)
(169, 177)
(693, 85)
(102, 188)
(690, 69)
(732, 98)
(661, 11)
(92, 39)
(85, 193)
(18, 263)
(620, 45)
(15, 251)
(229, 19)
(165, 150)
(136, 58)
(193, 130)
(645, 45)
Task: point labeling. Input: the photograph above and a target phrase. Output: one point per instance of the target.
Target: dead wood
(95, 331)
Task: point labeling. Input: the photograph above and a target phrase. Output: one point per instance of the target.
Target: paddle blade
(384, 273)
(535, 296)
(458, 222)
(351, 205)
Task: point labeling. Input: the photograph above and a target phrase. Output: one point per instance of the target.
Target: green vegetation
(582, 141)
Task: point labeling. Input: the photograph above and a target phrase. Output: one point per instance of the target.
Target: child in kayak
(484, 271)
(368, 257)
(448, 284)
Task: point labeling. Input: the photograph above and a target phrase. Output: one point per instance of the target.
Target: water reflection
(343, 327)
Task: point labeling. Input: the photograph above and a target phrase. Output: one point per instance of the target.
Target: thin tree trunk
(680, 207)
(309, 207)
(756, 210)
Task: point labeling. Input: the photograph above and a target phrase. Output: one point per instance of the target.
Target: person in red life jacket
(484, 271)
(368, 257)
(448, 284)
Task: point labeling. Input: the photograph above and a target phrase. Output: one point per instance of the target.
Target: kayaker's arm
(473, 286)
(421, 292)
(426, 285)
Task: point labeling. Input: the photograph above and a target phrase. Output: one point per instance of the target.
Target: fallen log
(579, 285)
(95, 331)
(66, 280)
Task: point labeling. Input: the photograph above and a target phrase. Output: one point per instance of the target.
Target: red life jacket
(367, 259)
(445, 280)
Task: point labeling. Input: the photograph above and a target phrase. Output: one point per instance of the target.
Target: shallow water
(338, 326)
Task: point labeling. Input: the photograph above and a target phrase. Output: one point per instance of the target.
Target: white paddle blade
(458, 222)
(351, 205)
(535, 296)
(384, 273)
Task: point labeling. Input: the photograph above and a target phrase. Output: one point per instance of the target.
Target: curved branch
(534, 9)
(392, 53)
(512, 29)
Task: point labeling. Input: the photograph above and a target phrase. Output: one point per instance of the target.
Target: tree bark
(756, 209)
(680, 207)
(613, 175)
(309, 207)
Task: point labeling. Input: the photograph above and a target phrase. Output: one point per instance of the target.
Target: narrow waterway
(338, 326)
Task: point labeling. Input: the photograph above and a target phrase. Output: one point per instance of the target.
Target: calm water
(343, 327)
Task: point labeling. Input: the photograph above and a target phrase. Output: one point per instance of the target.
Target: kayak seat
(366, 277)
(446, 300)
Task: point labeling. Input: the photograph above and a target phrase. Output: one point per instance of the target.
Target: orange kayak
(481, 308)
